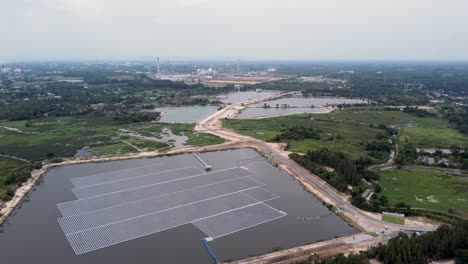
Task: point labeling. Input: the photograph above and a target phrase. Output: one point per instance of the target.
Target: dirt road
(361, 219)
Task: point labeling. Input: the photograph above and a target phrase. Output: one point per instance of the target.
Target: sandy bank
(8, 207)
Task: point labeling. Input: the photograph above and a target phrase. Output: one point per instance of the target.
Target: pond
(296, 105)
(239, 97)
(310, 101)
(185, 114)
(257, 112)
(33, 235)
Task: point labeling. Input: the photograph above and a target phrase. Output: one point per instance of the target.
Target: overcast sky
(232, 29)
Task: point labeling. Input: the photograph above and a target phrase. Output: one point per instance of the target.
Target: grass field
(393, 219)
(354, 128)
(65, 135)
(194, 139)
(353, 135)
(441, 137)
(426, 187)
(350, 136)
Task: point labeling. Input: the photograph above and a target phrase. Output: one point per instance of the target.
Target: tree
(461, 256)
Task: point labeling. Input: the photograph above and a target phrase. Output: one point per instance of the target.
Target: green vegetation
(47, 138)
(434, 135)
(423, 187)
(447, 242)
(350, 131)
(362, 136)
(393, 219)
(124, 99)
(344, 170)
(407, 154)
(12, 173)
(356, 132)
(194, 139)
(128, 118)
(347, 131)
(297, 133)
(61, 137)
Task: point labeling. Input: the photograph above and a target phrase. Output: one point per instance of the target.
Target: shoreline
(328, 109)
(21, 191)
(7, 208)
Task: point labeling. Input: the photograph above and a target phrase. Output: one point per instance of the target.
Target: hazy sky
(246, 29)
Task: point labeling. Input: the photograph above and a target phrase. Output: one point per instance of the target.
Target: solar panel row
(116, 175)
(118, 213)
(148, 191)
(125, 184)
(237, 220)
(104, 236)
(119, 206)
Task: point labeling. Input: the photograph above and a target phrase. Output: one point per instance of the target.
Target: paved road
(213, 125)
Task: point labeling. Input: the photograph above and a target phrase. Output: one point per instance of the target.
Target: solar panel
(123, 205)
(111, 234)
(135, 182)
(128, 196)
(237, 220)
(116, 175)
(118, 213)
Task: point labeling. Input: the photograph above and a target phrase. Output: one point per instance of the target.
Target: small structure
(207, 167)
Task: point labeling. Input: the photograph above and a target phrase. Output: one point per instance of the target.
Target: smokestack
(158, 70)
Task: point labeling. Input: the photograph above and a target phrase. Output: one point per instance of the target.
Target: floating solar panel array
(119, 206)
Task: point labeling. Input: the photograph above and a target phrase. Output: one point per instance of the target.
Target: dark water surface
(33, 235)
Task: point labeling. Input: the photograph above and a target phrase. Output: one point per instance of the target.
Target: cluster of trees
(378, 146)
(406, 154)
(417, 112)
(390, 131)
(340, 162)
(267, 106)
(447, 242)
(59, 98)
(136, 117)
(378, 149)
(335, 180)
(458, 117)
(388, 84)
(376, 202)
(345, 170)
(24, 110)
(297, 133)
(11, 178)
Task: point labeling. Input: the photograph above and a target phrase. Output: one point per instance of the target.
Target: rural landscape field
(234, 132)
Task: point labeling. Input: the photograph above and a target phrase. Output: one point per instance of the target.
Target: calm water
(238, 97)
(254, 112)
(33, 235)
(300, 105)
(315, 101)
(186, 114)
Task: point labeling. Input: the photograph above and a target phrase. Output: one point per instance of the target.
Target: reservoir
(311, 101)
(257, 112)
(296, 105)
(239, 97)
(185, 114)
(32, 233)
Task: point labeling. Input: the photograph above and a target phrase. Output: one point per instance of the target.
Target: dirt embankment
(7, 207)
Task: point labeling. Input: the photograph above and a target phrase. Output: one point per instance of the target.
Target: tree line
(297, 133)
(344, 169)
(447, 242)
